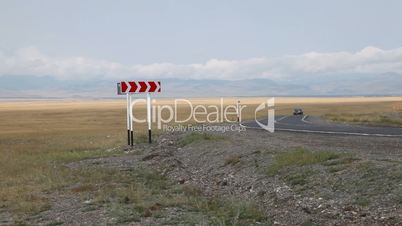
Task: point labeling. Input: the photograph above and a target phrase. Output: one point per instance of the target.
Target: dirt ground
(360, 185)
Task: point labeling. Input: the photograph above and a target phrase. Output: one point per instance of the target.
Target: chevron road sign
(125, 87)
(131, 87)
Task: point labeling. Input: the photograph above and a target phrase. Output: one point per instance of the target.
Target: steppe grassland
(38, 137)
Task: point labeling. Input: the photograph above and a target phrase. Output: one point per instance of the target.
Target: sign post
(128, 120)
(238, 111)
(131, 122)
(131, 87)
(149, 117)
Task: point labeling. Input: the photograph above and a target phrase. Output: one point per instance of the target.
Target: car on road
(298, 111)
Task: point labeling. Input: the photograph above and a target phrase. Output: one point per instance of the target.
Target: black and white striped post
(149, 113)
(131, 123)
(238, 111)
(128, 120)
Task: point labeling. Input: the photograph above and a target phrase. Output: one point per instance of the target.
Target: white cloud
(30, 61)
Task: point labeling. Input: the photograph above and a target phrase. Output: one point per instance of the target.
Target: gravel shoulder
(341, 180)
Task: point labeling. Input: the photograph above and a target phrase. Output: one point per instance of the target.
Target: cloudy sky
(279, 42)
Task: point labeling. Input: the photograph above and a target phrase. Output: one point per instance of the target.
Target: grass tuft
(300, 177)
(198, 137)
(300, 157)
(362, 201)
(228, 212)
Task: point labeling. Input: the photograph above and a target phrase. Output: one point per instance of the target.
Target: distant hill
(302, 85)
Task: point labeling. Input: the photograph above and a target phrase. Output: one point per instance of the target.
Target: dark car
(298, 111)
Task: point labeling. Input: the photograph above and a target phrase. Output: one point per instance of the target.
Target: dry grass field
(37, 138)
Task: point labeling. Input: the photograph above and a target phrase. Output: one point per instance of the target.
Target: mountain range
(386, 84)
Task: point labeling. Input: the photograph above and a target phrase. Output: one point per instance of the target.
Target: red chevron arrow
(152, 87)
(143, 86)
(134, 87)
(123, 87)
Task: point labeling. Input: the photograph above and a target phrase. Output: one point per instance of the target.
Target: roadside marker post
(129, 125)
(149, 117)
(128, 120)
(131, 122)
(238, 110)
(131, 87)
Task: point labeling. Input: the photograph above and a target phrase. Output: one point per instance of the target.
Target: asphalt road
(310, 124)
